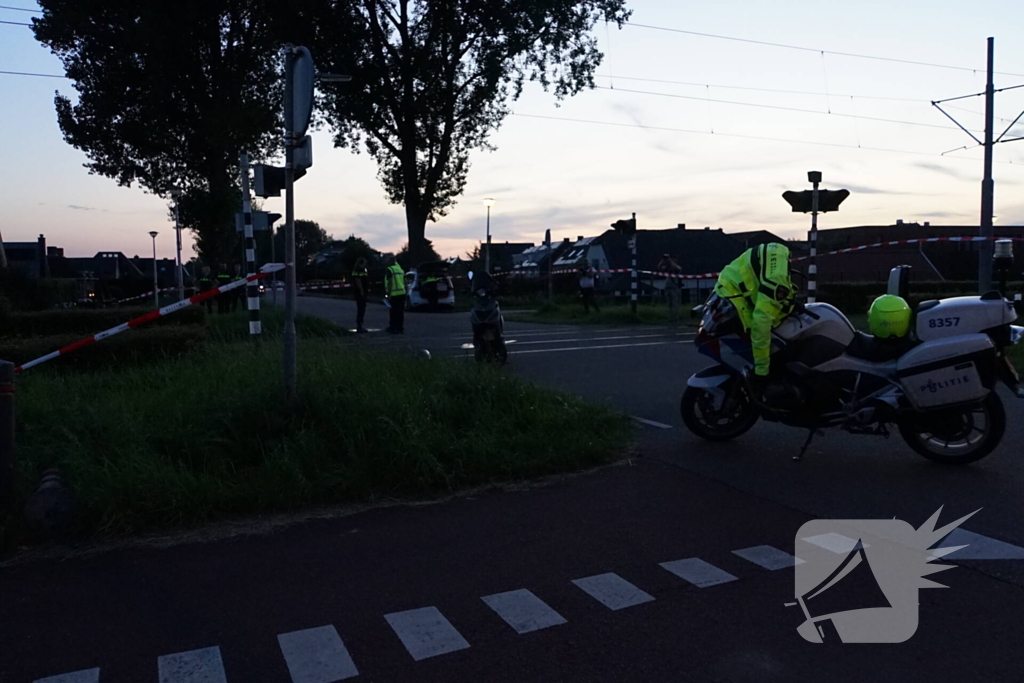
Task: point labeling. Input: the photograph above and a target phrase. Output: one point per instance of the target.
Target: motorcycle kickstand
(807, 444)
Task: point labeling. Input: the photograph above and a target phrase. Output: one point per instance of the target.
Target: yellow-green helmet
(889, 317)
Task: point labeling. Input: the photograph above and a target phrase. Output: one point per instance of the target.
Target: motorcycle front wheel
(735, 418)
(957, 436)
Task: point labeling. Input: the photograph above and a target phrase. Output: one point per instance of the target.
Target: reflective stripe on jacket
(394, 280)
(758, 284)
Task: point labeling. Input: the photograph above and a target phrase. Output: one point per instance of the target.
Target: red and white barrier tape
(152, 315)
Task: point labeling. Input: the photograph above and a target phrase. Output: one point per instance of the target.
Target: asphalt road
(675, 567)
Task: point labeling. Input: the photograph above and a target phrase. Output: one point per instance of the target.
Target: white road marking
(651, 423)
(426, 632)
(523, 611)
(836, 543)
(595, 339)
(698, 572)
(768, 557)
(84, 676)
(603, 346)
(316, 655)
(613, 591)
(194, 666)
(981, 547)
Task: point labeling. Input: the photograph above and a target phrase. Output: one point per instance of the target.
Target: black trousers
(587, 294)
(397, 314)
(360, 310)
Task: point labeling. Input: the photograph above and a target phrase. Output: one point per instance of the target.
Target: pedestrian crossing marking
(316, 655)
(523, 611)
(698, 572)
(612, 591)
(426, 632)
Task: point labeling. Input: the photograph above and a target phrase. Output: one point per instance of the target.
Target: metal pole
(6, 435)
(156, 282)
(987, 184)
(634, 284)
(487, 249)
(179, 276)
(252, 290)
(812, 240)
(291, 371)
(551, 268)
(273, 256)
(3, 255)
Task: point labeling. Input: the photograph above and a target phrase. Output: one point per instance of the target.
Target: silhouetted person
(205, 284)
(223, 300)
(360, 289)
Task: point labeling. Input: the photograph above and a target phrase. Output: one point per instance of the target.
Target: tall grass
(207, 435)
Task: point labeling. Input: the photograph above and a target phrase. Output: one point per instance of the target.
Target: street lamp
(489, 202)
(156, 287)
(178, 278)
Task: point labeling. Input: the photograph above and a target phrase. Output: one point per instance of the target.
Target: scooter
(487, 321)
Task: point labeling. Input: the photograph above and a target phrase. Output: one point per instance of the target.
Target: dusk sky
(556, 168)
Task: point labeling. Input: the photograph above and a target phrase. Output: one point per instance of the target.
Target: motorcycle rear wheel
(698, 411)
(954, 437)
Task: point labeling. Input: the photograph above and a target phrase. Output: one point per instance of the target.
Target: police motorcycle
(487, 321)
(936, 382)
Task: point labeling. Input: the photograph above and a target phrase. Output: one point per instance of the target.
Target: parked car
(429, 287)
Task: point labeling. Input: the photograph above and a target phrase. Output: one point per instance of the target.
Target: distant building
(503, 255)
(931, 261)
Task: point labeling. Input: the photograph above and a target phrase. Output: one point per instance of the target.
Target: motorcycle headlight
(1016, 334)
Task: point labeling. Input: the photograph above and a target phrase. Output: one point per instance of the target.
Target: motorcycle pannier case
(948, 371)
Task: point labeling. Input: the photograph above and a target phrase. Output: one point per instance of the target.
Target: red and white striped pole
(152, 315)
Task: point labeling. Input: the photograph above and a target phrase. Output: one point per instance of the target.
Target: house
(503, 255)
(754, 238)
(28, 258)
(931, 261)
(533, 261)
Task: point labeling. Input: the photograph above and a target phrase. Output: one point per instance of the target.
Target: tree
(434, 79)
(310, 239)
(169, 94)
(427, 253)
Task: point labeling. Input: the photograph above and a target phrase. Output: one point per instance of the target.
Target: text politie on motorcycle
(758, 284)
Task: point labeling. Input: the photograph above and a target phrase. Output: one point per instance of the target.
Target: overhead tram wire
(746, 137)
(813, 49)
(16, 23)
(22, 9)
(26, 73)
(771, 90)
(778, 107)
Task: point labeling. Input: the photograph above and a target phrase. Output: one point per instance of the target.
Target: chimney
(680, 226)
(707, 227)
(580, 238)
(41, 257)
(927, 224)
(899, 221)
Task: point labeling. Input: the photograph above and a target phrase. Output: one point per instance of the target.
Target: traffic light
(626, 227)
(828, 200)
(268, 181)
(261, 220)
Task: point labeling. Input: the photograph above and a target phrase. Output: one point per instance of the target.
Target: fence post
(6, 435)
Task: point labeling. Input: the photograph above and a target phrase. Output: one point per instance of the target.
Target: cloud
(946, 171)
(867, 189)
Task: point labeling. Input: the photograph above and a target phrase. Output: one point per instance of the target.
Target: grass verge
(205, 436)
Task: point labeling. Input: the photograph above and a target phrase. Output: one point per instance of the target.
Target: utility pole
(3, 254)
(551, 262)
(986, 230)
(487, 248)
(156, 282)
(179, 278)
(291, 368)
(987, 184)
